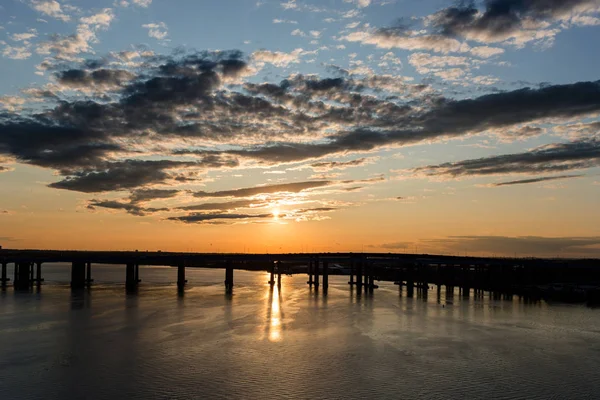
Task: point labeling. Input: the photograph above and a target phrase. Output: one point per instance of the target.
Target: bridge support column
(229, 277)
(3, 278)
(278, 266)
(272, 271)
(316, 273)
(181, 281)
(466, 291)
(77, 275)
(131, 277)
(359, 275)
(410, 288)
(367, 272)
(22, 275)
(352, 272)
(88, 274)
(310, 272)
(372, 284)
(325, 276)
(38, 273)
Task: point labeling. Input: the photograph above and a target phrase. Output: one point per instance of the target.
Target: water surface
(286, 343)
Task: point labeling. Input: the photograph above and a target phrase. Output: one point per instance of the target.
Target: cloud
(535, 180)
(225, 206)
(19, 37)
(284, 21)
(145, 195)
(486, 51)
(389, 38)
(67, 47)
(50, 8)
(277, 58)
(329, 165)
(130, 208)
(168, 119)
(294, 187)
(158, 31)
(12, 103)
(576, 155)
(142, 3)
(199, 218)
(123, 175)
(16, 53)
(105, 78)
(522, 246)
(516, 22)
(396, 245)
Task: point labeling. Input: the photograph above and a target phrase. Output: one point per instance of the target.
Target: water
(288, 343)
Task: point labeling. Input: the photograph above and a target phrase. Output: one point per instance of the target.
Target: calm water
(288, 343)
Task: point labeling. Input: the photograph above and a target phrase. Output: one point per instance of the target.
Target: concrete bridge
(414, 271)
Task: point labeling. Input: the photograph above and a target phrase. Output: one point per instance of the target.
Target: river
(289, 342)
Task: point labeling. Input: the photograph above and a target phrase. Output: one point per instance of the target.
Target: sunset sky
(282, 126)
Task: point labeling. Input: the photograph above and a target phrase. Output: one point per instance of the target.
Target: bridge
(413, 271)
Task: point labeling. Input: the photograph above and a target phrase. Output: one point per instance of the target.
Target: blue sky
(368, 110)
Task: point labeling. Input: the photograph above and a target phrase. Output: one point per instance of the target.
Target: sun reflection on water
(274, 314)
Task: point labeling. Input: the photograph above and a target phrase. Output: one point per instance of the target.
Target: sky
(463, 128)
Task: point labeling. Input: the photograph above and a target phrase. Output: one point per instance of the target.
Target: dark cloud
(99, 77)
(535, 180)
(203, 218)
(314, 210)
(226, 206)
(558, 157)
(502, 19)
(122, 175)
(522, 245)
(327, 165)
(143, 195)
(294, 187)
(130, 208)
(445, 118)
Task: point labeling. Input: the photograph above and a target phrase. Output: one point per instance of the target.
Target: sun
(275, 213)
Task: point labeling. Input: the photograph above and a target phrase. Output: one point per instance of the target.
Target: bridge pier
(316, 272)
(278, 266)
(3, 277)
(88, 274)
(410, 288)
(352, 272)
(22, 278)
(77, 275)
(325, 276)
(181, 281)
(272, 272)
(132, 277)
(309, 271)
(229, 277)
(38, 273)
(359, 274)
